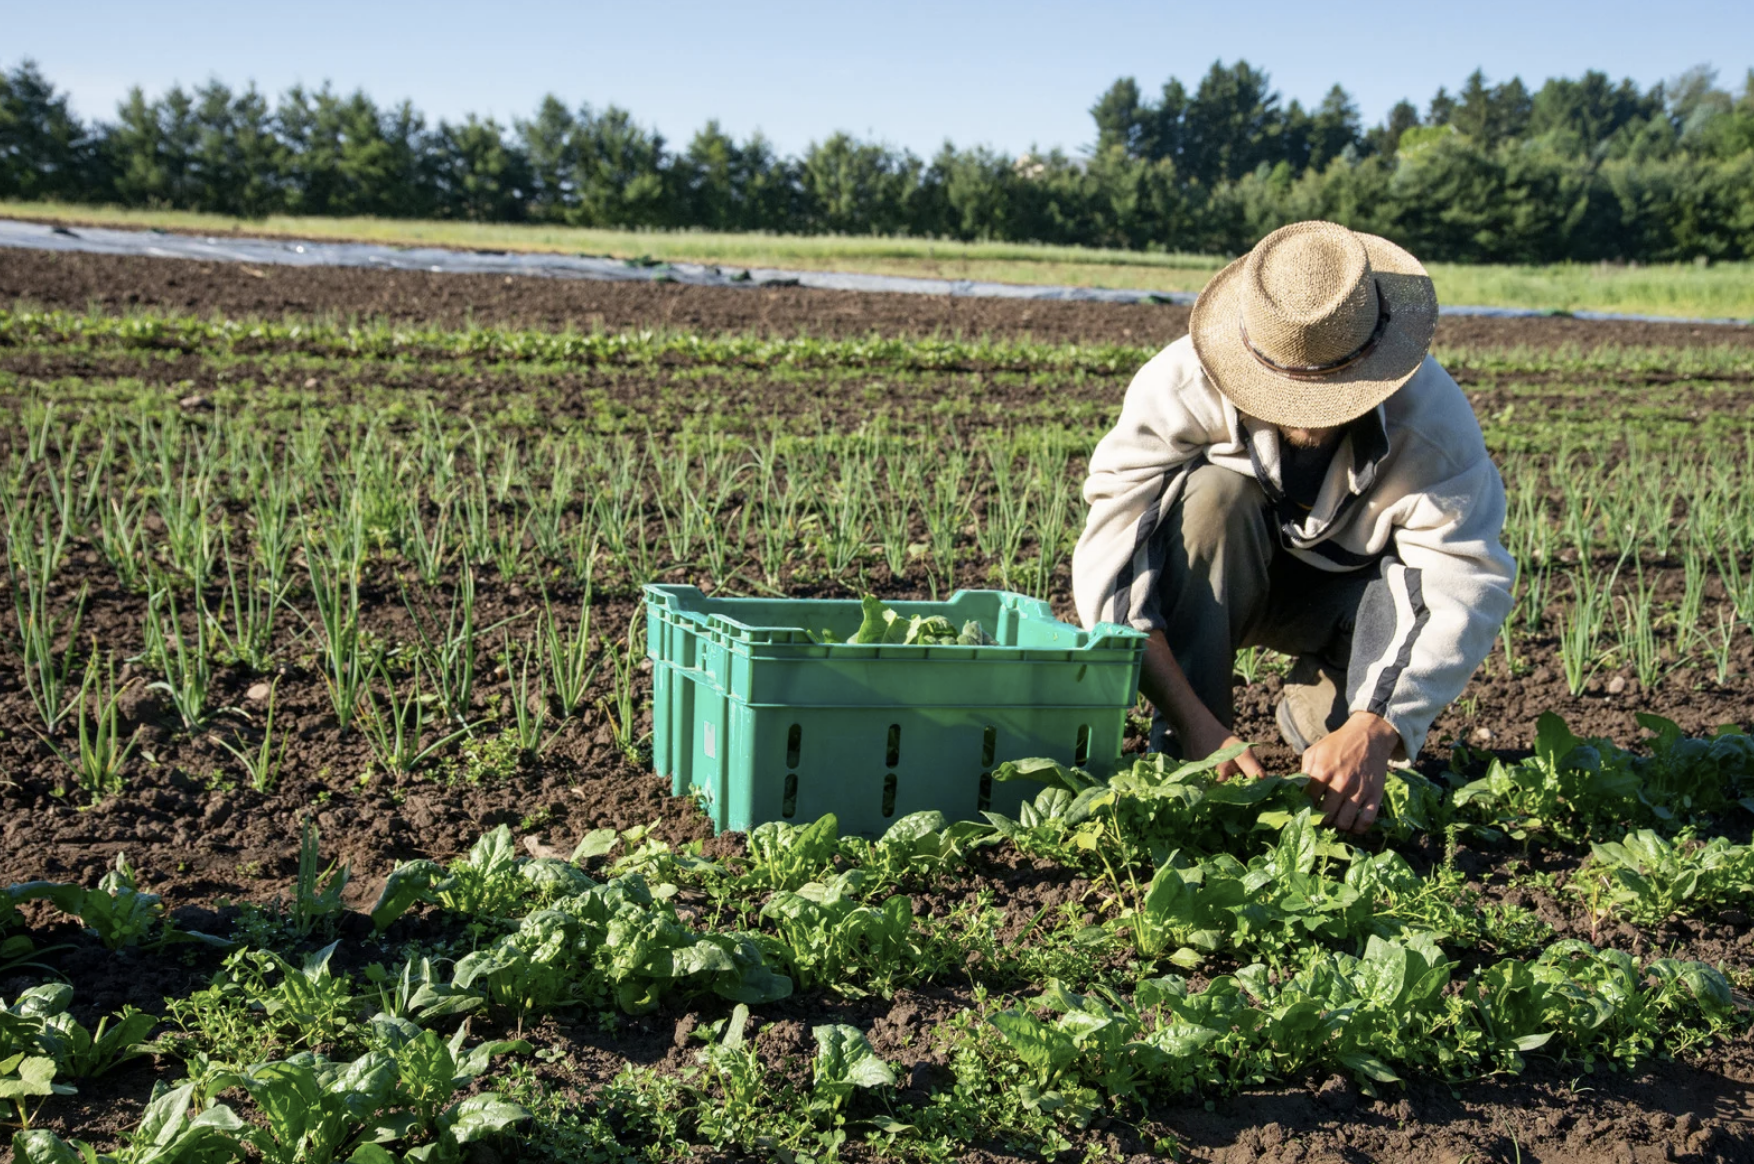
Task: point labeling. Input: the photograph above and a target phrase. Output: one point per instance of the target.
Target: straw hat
(1315, 326)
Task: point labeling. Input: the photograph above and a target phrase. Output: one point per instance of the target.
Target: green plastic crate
(767, 724)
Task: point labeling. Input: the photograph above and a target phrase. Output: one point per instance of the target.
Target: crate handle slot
(789, 803)
(794, 743)
(989, 745)
(893, 756)
(986, 797)
(1081, 753)
(889, 794)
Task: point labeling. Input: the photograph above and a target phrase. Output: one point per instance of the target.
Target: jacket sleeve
(1166, 423)
(1448, 583)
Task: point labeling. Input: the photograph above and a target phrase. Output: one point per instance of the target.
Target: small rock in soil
(1617, 685)
(1482, 735)
(258, 692)
(311, 382)
(194, 402)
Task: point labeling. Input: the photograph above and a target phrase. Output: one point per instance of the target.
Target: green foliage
(882, 625)
(97, 759)
(746, 1105)
(1572, 787)
(1275, 905)
(828, 939)
(1370, 1016)
(1580, 169)
(317, 891)
(263, 764)
(615, 944)
(845, 1063)
(40, 1044)
(173, 1129)
(1648, 878)
(116, 911)
(24, 1078)
(1158, 804)
(785, 856)
(1342, 943)
(316, 1111)
(38, 1024)
(492, 879)
(919, 845)
(258, 1003)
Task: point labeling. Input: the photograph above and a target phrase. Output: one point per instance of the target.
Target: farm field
(1718, 290)
(322, 570)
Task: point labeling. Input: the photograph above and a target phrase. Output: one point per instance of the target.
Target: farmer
(1298, 473)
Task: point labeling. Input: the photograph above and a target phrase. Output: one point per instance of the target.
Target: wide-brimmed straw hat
(1316, 325)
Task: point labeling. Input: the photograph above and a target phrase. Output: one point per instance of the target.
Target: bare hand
(1206, 736)
(1347, 769)
(1197, 730)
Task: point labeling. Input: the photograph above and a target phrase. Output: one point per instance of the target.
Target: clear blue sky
(1009, 74)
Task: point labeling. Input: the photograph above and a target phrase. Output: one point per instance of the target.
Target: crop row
(379, 340)
(255, 549)
(392, 342)
(1336, 962)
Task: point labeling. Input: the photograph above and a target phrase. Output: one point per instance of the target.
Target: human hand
(1347, 769)
(1207, 735)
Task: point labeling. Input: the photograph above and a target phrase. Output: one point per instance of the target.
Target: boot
(1314, 703)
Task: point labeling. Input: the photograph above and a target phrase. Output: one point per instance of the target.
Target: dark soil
(204, 843)
(116, 283)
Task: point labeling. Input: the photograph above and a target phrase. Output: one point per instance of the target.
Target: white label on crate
(709, 740)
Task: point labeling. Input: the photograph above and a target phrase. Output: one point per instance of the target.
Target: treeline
(1581, 169)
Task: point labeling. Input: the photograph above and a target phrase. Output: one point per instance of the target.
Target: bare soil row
(118, 283)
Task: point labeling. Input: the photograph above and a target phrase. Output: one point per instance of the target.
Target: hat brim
(1332, 400)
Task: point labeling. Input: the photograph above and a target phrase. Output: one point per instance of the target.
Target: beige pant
(1227, 584)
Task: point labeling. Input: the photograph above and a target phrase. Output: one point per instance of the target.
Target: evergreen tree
(237, 160)
(1584, 168)
(1334, 128)
(1123, 121)
(1232, 124)
(138, 154)
(1491, 114)
(854, 187)
(1385, 139)
(480, 177)
(618, 171)
(549, 144)
(44, 151)
(1590, 108)
(711, 176)
(309, 131)
(1441, 109)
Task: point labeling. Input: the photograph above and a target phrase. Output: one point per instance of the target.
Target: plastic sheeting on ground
(155, 243)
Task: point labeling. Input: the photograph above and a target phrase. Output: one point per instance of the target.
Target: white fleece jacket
(1413, 494)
